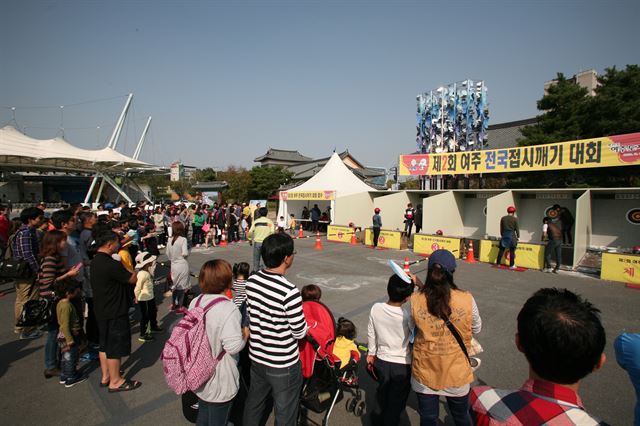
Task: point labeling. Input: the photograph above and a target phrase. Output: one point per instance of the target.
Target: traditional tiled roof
(283, 155)
(506, 135)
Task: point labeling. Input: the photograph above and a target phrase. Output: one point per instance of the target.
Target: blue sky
(224, 81)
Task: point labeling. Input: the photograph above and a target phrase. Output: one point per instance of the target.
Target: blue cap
(444, 258)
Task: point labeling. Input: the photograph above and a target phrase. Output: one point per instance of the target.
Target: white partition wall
(392, 208)
(582, 230)
(443, 211)
(532, 206)
(474, 214)
(610, 209)
(356, 208)
(496, 208)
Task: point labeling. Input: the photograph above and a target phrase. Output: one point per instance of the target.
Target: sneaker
(513, 267)
(62, 380)
(144, 338)
(51, 372)
(72, 382)
(555, 271)
(546, 270)
(157, 330)
(33, 335)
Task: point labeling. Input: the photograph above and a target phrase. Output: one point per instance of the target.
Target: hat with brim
(126, 241)
(144, 259)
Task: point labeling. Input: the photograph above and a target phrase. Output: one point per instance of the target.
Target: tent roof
(20, 151)
(334, 176)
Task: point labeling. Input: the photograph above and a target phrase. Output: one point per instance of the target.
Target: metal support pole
(91, 187)
(117, 188)
(100, 191)
(113, 140)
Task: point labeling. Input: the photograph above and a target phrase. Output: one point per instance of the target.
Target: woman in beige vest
(440, 367)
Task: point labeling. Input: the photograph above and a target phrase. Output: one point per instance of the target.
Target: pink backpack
(187, 359)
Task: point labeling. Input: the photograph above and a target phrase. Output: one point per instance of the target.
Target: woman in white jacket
(177, 252)
(225, 334)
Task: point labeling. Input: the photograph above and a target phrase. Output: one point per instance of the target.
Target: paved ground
(352, 279)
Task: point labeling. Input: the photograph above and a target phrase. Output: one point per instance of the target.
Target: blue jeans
(284, 384)
(257, 259)
(69, 364)
(213, 413)
(51, 347)
(429, 409)
(627, 347)
(178, 298)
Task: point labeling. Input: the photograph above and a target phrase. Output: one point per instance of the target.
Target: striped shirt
(50, 269)
(276, 320)
(239, 289)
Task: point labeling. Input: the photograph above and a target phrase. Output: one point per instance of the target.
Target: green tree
(239, 181)
(157, 182)
(267, 180)
(205, 175)
(568, 113)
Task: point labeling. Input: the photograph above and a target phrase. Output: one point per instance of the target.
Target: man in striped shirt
(276, 323)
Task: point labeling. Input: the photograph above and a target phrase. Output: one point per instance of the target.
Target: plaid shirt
(25, 246)
(536, 403)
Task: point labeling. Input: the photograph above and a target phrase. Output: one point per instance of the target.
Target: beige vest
(438, 360)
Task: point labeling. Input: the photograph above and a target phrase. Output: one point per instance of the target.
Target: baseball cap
(377, 210)
(444, 258)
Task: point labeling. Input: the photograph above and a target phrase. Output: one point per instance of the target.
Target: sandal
(127, 385)
(104, 385)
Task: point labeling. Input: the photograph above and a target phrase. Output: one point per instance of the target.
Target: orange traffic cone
(300, 232)
(354, 240)
(470, 257)
(318, 245)
(406, 265)
(223, 240)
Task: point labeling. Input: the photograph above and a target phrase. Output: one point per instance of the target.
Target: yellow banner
(527, 255)
(621, 267)
(307, 195)
(339, 234)
(609, 151)
(387, 239)
(427, 244)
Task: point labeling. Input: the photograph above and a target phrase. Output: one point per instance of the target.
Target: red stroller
(325, 382)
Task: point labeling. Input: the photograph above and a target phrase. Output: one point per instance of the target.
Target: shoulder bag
(452, 328)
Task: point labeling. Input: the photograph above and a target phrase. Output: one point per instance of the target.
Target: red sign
(416, 164)
(627, 147)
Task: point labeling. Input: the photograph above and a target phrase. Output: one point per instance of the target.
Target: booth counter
(388, 239)
(528, 255)
(424, 244)
(340, 233)
(621, 267)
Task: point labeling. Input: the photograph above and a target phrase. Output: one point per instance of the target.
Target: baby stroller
(325, 382)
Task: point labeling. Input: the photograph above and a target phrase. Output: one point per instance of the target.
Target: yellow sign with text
(307, 195)
(610, 151)
(339, 234)
(387, 239)
(427, 244)
(624, 268)
(527, 255)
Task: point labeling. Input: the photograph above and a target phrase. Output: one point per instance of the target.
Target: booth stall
(335, 189)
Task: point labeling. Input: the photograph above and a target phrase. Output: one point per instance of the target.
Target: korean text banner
(307, 195)
(621, 267)
(609, 151)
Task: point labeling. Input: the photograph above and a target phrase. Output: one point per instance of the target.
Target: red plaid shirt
(536, 403)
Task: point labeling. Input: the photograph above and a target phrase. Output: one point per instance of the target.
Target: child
(389, 350)
(292, 224)
(344, 348)
(240, 275)
(144, 296)
(311, 292)
(70, 337)
(545, 229)
(281, 224)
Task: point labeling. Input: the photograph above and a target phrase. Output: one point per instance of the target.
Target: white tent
(22, 152)
(335, 180)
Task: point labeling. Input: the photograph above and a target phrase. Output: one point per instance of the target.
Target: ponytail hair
(437, 290)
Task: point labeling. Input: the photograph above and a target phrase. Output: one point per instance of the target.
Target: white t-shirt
(389, 333)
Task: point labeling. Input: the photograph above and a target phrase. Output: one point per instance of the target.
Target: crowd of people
(96, 267)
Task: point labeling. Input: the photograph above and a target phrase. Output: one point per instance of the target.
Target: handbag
(206, 227)
(36, 312)
(473, 362)
(13, 268)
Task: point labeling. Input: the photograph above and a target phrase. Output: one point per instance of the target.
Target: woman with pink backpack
(214, 378)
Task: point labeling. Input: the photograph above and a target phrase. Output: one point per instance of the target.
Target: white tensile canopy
(335, 177)
(22, 152)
